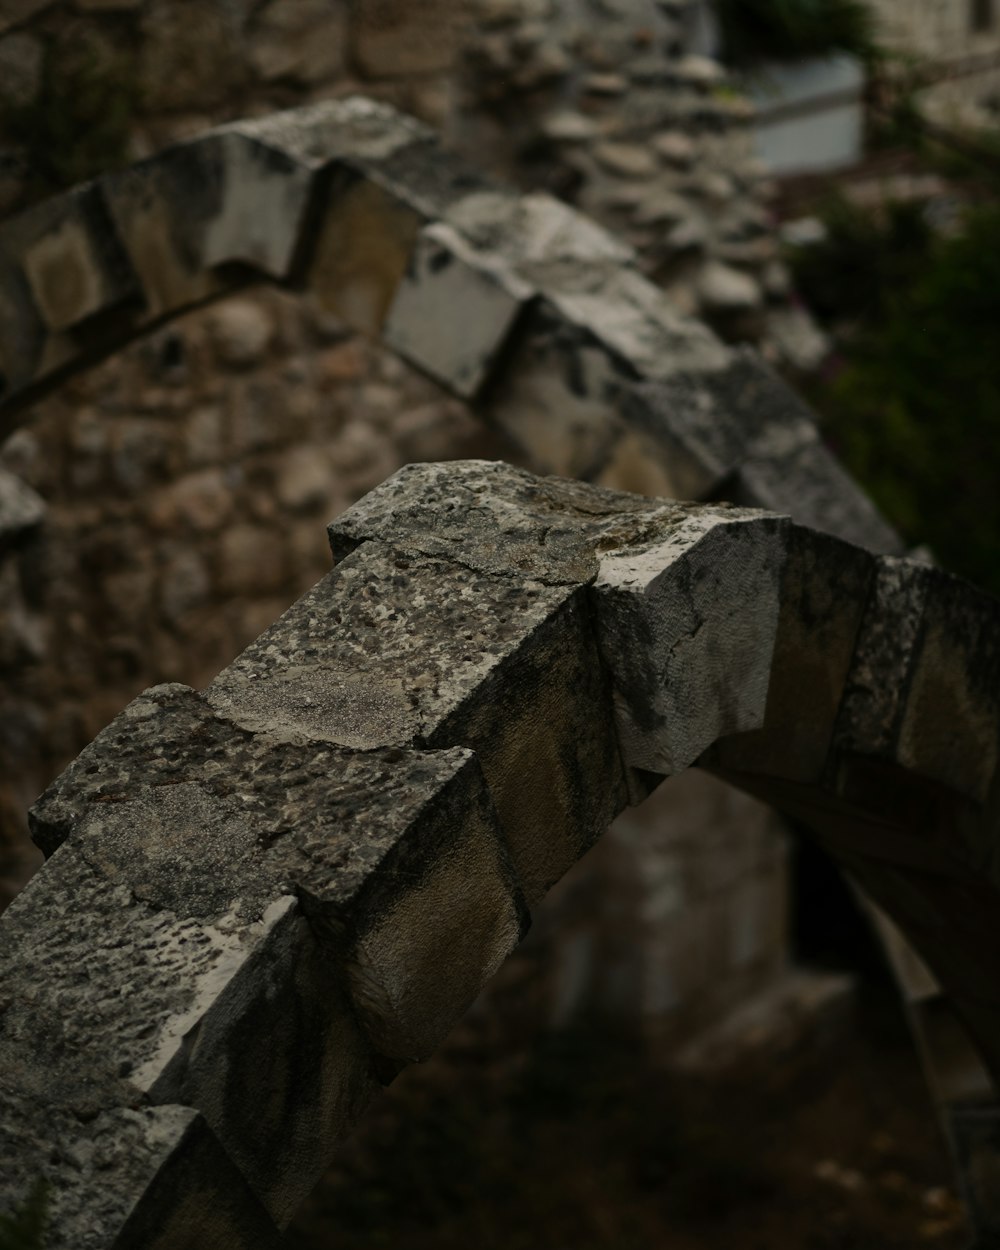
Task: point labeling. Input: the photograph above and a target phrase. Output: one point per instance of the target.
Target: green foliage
(25, 1228)
(79, 124)
(915, 411)
(785, 30)
(863, 260)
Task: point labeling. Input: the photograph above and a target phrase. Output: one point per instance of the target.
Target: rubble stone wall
(306, 872)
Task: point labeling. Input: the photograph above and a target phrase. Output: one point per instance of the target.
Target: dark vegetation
(786, 30)
(912, 404)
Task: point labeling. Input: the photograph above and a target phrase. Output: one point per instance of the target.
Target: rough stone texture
(688, 627)
(824, 590)
(21, 510)
(404, 896)
(59, 266)
(452, 314)
(396, 649)
(221, 200)
(313, 824)
(670, 584)
(307, 867)
(133, 1179)
(613, 331)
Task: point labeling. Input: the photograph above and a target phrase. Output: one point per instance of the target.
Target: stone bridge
(262, 900)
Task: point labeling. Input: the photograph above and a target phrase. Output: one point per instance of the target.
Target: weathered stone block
(150, 1178)
(874, 699)
(785, 467)
(453, 311)
(361, 250)
(557, 397)
(689, 430)
(500, 520)
(536, 234)
(365, 131)
(398, 649)
(686, 598)
(950, 729)
(823, 594)
(60, 266)
(687, 625)
(360, 838)
(186, 214)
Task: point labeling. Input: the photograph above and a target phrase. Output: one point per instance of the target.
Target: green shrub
(914, 411)
(783, 30)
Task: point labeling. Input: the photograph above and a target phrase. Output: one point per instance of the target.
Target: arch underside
(309, 869)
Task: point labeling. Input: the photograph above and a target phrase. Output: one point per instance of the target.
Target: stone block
(950, 728)
(186, 215)
(453, 312)
(361, 250)
(399, 649)
(874, 698)
(690, 431)
(61, 266)
(149, 1178)
(557, 396)
(686, 598)
(383, 870)
(242, 332)
(807, 482)
(687, 626)
(366, 132)
(505, 521)
(534, 233)
(823, 594)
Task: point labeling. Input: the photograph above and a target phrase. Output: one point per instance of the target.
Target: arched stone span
(303, 874)
(516, 303)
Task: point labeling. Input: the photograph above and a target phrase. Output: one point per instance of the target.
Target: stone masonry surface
(303, 875)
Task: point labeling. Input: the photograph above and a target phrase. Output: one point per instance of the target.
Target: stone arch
(392, 234)
(516, 303)
(326, 853)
